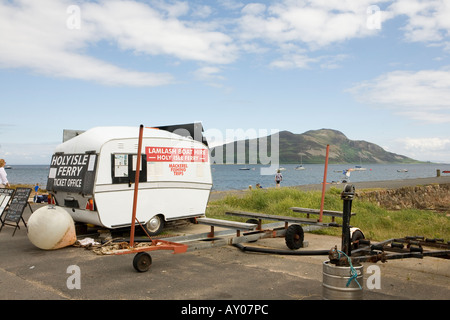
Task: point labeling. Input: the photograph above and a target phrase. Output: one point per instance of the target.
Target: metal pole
(324, 184)
(136, 185)
(347, 196)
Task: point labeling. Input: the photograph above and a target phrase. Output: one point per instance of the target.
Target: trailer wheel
(356, 236)
(155, 225)
(294, 237)
(254, 221)
(142, 262)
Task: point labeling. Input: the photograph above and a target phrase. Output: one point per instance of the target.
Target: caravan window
(120, 166)
(123, 168)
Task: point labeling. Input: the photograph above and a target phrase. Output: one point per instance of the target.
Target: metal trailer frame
(400, 248)
(235, 233)
(142, 260)
(294, 233)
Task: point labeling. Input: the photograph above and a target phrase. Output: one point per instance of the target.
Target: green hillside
(310, 147)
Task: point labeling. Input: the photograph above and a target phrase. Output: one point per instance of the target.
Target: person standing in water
(36, 189)
(278, 178)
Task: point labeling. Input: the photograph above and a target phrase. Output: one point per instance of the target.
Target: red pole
(324, 183)
(136, 185)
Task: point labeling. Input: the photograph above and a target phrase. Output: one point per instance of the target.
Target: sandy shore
(385, 184)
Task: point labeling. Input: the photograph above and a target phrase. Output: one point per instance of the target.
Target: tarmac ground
(212, 274)
(218, 273)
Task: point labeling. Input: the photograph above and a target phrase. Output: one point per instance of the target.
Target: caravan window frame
(131, 168)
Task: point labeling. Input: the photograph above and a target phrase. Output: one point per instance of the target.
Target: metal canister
(342, 282)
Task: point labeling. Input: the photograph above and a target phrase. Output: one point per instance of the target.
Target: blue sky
(376, 70)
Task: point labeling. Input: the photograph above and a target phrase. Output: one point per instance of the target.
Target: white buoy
(51, 228)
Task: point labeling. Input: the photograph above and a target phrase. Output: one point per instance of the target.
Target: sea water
(28, 174)
(231, 177)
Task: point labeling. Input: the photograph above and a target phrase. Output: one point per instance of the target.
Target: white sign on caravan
(68, 171)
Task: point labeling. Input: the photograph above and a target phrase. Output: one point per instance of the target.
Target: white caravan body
(92, 176)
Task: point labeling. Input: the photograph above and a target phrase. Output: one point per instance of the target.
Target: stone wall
(432, 197)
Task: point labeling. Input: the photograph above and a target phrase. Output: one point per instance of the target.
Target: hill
(310, 147)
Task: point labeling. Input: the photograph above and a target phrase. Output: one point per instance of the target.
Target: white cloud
(206, 73)
(297, 28)
(142, 29)
(210, 75)
(426, 144)
(299, 60)
(425, 149)
(289, 61)
(23, 153)
(420, 95)
(428, 21)
(35, 36)
(314, 23)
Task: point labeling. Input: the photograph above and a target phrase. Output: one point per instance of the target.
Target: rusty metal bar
(324, 185)
(156, 245)
(136, 185)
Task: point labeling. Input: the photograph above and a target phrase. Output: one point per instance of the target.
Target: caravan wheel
(155, 225)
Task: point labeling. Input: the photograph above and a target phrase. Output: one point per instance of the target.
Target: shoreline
(382, 184)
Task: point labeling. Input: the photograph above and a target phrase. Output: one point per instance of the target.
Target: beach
(364, 185)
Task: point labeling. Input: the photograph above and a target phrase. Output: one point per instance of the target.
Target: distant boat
(244, 168)
(282, 169)
(402, 170)
(8, 167)
(300, 167)
(360, 168)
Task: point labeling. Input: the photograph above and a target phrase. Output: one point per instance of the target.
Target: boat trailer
(355, 247)
(289, 227)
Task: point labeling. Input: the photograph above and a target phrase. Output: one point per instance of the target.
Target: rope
(352, 270)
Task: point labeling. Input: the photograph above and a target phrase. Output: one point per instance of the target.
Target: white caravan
(92, 176)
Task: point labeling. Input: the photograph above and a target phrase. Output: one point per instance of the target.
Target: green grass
(376, 223)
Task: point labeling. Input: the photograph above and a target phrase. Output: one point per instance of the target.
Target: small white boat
(300, 166)
(244, 168)
(402, 170)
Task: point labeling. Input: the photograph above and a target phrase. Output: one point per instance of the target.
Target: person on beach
(278, 178)
(3, 180)
(36, 189)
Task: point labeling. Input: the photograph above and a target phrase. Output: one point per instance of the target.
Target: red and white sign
(171, 154)
(178, 169)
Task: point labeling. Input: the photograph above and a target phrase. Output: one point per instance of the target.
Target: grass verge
(377, 223)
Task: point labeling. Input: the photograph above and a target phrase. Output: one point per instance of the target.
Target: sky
(375, 70)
